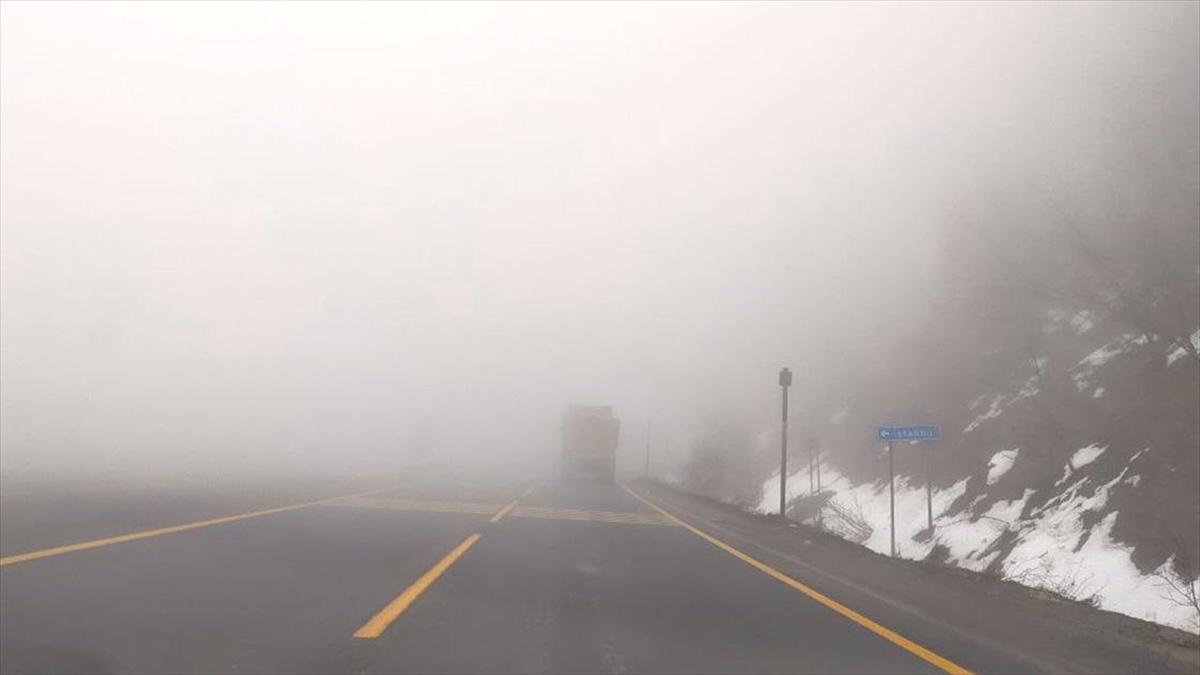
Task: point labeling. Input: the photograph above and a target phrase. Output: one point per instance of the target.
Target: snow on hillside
(1084, 371)
(1177, 353)
(1000, 463)
(1074, 468)
(1085, 456)
(1053, 547)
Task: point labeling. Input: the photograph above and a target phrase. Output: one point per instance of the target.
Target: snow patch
(1030, 387)
(1082, 322)
(1085, 456)
(998, 404)
(994, 410)
(1179, 352)
(1009, 512)
(1052, 547)
(1098, 393)
(1065, 476)
(1087, 366)
(1000, 463)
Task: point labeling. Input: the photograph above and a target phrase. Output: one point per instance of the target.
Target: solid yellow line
(886, 633)
(379, 623)
(134, 536)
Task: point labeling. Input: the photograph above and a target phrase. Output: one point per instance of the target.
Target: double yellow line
(377, 624)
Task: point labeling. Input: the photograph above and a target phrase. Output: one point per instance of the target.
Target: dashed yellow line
(134, 536)
(380, 622)
(377, 624)
(504, 511)
(885, 633)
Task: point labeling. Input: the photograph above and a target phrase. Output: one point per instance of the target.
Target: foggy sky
(248, 236)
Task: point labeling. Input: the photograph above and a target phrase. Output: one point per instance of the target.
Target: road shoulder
(986, 624)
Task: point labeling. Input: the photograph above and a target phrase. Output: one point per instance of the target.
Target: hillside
(1077, 473)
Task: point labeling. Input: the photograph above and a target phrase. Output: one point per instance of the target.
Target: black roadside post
(892, 494)
(785, 381)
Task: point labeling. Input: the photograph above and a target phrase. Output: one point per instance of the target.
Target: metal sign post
(929, 490)
(820, 509)
(913, 434)
(892, 494)
(785, 381)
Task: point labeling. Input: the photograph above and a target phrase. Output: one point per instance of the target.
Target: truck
(589, 450)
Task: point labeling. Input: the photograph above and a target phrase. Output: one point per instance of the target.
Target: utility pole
(649, 429)
(785, 381)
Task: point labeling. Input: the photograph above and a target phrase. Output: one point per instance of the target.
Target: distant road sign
(918, 432)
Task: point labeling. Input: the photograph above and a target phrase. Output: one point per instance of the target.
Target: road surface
(460, 576)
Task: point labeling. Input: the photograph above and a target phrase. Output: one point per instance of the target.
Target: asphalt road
(450, 576)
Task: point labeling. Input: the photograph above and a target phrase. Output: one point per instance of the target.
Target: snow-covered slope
(1071, 464)
(1053, 547)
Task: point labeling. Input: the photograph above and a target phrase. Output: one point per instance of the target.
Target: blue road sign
(916, 432)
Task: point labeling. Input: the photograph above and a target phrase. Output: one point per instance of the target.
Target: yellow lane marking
(886, 633)
(548, 513)
(134, 536)
(511, 505)
(510, 509)
(504, 511)
(415, 505)
(593, 516)
(379, 623)
(374, 627)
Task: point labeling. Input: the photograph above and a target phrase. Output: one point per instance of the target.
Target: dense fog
(248, 238)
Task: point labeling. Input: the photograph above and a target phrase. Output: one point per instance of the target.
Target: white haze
(248, 237)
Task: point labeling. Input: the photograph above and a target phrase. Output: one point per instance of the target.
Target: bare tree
(1179, 586)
